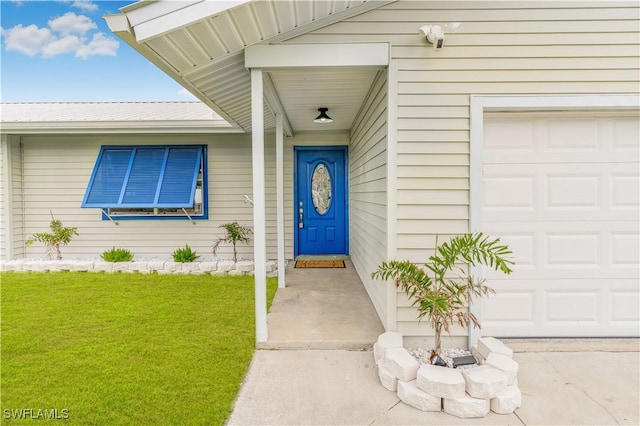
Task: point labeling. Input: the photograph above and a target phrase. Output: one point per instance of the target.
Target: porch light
(323, 117)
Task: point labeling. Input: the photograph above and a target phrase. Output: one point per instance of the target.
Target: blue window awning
(144, 177)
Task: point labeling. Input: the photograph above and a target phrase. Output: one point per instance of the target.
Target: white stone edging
(469, 393)
(212, 267)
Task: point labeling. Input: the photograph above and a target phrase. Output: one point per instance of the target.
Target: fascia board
(166, 22)
(375, 55)
(193, 126)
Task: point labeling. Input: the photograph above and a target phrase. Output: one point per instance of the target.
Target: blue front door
(321, 200)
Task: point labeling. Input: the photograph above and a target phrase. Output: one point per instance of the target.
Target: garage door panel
(625, 306)
(529, 308)
(569, 307)
(563, 193)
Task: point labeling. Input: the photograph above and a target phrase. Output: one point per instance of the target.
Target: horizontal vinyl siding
(4, 199)
(510, 47)
(16, 198)
(57, 170)
(368, 191)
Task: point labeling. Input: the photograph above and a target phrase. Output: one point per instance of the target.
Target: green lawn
(125, 348)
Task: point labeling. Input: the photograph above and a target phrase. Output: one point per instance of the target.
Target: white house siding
(11, 214)
(512, 47)
(367, 188)
(57, 170)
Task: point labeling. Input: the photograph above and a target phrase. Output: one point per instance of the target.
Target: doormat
(320, 264)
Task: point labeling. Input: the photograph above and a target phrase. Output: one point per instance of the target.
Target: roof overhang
(201, 45)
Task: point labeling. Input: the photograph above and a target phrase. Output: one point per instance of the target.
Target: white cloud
(67, 44)
(70, 23)
(66, 34)
(28, 40)
(100, 44)
(86, 5)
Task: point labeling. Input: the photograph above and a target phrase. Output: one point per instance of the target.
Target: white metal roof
(32, 117)
(201, 45)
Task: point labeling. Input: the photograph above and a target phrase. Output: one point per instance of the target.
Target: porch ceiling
(201, 45)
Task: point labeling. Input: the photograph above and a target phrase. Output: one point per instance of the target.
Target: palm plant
(58, 236)
(235, 233)
(443, 291)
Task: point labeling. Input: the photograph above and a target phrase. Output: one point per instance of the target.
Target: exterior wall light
(323, 117)
(435, 33)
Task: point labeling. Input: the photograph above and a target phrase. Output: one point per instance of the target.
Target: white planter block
(486, 345)
(507, 401)
(466, 407)
(83, 266)
(13, 265)
(208, 266)
(442, 382)
(103, 266)
(139, 266)
(388, 380)
(120, 266)
(505, 364)
(476, 353)
(484, 382)
(271, 266)
(31, 265)
(400, 363)
(188, 267)
(244, 266)
(410, 394)
(226, 265)
(172, 266)
(64, 265)
(390, 339)
(156, 265)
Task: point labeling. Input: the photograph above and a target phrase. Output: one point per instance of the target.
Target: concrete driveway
(341, 387)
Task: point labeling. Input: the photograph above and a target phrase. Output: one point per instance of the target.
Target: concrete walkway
(319, 369)
(322, 309)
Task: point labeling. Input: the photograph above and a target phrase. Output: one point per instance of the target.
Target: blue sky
(63, 51)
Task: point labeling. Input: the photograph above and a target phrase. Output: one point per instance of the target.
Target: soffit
(206, 56)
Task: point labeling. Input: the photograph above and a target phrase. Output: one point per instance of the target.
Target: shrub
(59, 235)
(117, 255)
(444, 289)
(184, 255)
(235, 233)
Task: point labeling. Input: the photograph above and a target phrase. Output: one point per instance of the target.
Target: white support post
(259, 220)
(280, 198)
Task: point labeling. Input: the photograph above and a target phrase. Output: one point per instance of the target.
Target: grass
(126, 348)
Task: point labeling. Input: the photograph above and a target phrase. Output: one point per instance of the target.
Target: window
(160, 182)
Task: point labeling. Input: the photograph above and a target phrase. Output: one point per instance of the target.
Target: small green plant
(59, 235)
(235, 233)
(117, 255)
(184, 255)
(443, 291)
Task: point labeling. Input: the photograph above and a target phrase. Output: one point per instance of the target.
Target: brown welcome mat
(319, 264)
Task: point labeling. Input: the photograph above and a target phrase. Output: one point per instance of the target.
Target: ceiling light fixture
(323, 117)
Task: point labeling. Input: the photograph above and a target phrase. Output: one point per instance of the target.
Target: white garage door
(563, 192)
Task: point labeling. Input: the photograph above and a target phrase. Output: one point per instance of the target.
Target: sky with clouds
(63, 51)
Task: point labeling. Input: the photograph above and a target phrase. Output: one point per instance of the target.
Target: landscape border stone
(466, 393)
(213, 267)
